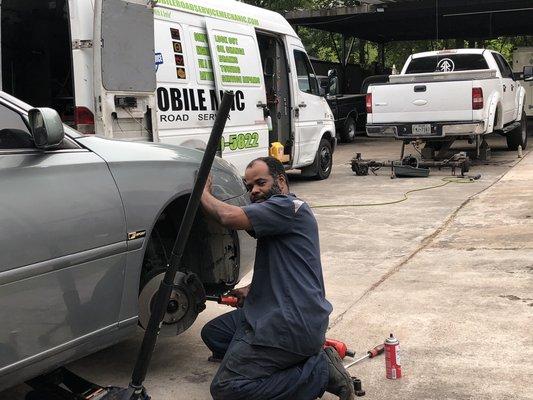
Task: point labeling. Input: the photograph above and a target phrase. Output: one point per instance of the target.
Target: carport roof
(395, 20)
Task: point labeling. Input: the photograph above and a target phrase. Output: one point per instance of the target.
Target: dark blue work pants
(250, 372)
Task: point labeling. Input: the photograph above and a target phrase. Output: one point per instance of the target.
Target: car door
(309, 110)
(62, 246)
(509, 87)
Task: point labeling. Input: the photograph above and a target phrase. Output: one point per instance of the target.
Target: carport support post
(382, 56)
(166, 286)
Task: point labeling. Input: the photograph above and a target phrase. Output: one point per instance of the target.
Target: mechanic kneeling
(271, 348)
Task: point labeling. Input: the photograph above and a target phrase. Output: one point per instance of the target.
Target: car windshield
(447, 63)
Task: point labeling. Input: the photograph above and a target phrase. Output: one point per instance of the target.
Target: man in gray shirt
(271, 348)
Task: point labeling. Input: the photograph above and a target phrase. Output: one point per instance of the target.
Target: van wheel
(348, 132)
(518, 137)
(321, 167)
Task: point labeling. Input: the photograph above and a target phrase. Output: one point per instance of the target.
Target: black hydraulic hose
(165, 288)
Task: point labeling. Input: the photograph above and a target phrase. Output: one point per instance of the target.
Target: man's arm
(232, 217)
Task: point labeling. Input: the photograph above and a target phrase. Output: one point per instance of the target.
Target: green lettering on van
(228, 59)
(206, 76)
(230, 69)
(231, 79)
(202, 51)
(200, 37)
(251, 79)
(211, 12)
(235, 50)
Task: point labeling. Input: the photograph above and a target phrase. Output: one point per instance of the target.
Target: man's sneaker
(340, 383)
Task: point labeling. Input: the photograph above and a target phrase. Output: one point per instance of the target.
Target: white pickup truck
(441, 96)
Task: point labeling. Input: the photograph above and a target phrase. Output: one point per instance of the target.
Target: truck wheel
(348, 131)
(321, 167)
(518, 137)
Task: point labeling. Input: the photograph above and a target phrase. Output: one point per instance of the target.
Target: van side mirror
(46, 128)
(528, 73)
(332, 73)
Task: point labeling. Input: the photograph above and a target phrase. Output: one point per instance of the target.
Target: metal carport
(384, 21)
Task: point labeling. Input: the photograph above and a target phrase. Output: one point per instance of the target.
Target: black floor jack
(65, 385)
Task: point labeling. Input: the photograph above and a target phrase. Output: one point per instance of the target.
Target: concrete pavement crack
(426, 242)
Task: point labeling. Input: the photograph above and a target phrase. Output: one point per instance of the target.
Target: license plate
(422, 129)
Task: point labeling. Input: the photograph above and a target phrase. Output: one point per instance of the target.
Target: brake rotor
(186, 301)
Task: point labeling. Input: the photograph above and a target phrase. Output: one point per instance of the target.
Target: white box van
(523, 57)
(93, 60)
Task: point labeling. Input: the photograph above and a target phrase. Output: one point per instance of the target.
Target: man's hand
(227, 215)
(209, 184)
(241, 294)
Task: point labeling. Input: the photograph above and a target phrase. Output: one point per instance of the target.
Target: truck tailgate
(422, 102)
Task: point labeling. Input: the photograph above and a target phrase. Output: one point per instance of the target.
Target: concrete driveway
(449, 272)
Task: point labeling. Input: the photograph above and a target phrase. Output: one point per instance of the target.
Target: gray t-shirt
(286, 306)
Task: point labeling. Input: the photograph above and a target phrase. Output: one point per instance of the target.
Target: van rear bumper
(438, 129)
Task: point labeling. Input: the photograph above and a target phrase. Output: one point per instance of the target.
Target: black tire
(518, 137)
(348, 131)
(321, 167)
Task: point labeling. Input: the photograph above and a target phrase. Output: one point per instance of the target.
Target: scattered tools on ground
(376, 351)
(410, 166)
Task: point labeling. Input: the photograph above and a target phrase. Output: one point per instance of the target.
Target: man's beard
(275, 189)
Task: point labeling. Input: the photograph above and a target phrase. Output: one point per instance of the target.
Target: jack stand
(63, 384)
(428, 153)
(484, 151)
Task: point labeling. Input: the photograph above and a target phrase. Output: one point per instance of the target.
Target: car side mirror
(332, 73)
(46, 128)
(528, 73)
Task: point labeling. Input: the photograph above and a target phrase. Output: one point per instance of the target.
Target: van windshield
(447, 63)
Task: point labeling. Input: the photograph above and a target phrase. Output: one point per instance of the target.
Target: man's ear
(282, 182)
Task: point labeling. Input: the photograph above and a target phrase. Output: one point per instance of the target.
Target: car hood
(227, 182)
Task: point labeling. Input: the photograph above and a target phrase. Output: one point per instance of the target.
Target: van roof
(233, 11)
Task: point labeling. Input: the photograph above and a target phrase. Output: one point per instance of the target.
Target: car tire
(348, 131)
(321, 168)
(518, 137)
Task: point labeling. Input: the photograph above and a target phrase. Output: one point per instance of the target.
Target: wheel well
(328, 136)
(211, 251)
(353, 115)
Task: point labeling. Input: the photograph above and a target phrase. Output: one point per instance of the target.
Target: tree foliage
(326, 46)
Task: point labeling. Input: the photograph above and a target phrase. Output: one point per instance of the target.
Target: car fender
(494, 109)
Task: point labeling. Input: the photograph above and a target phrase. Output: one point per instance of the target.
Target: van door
(308, 108)
(237, 66)
(124, 70)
